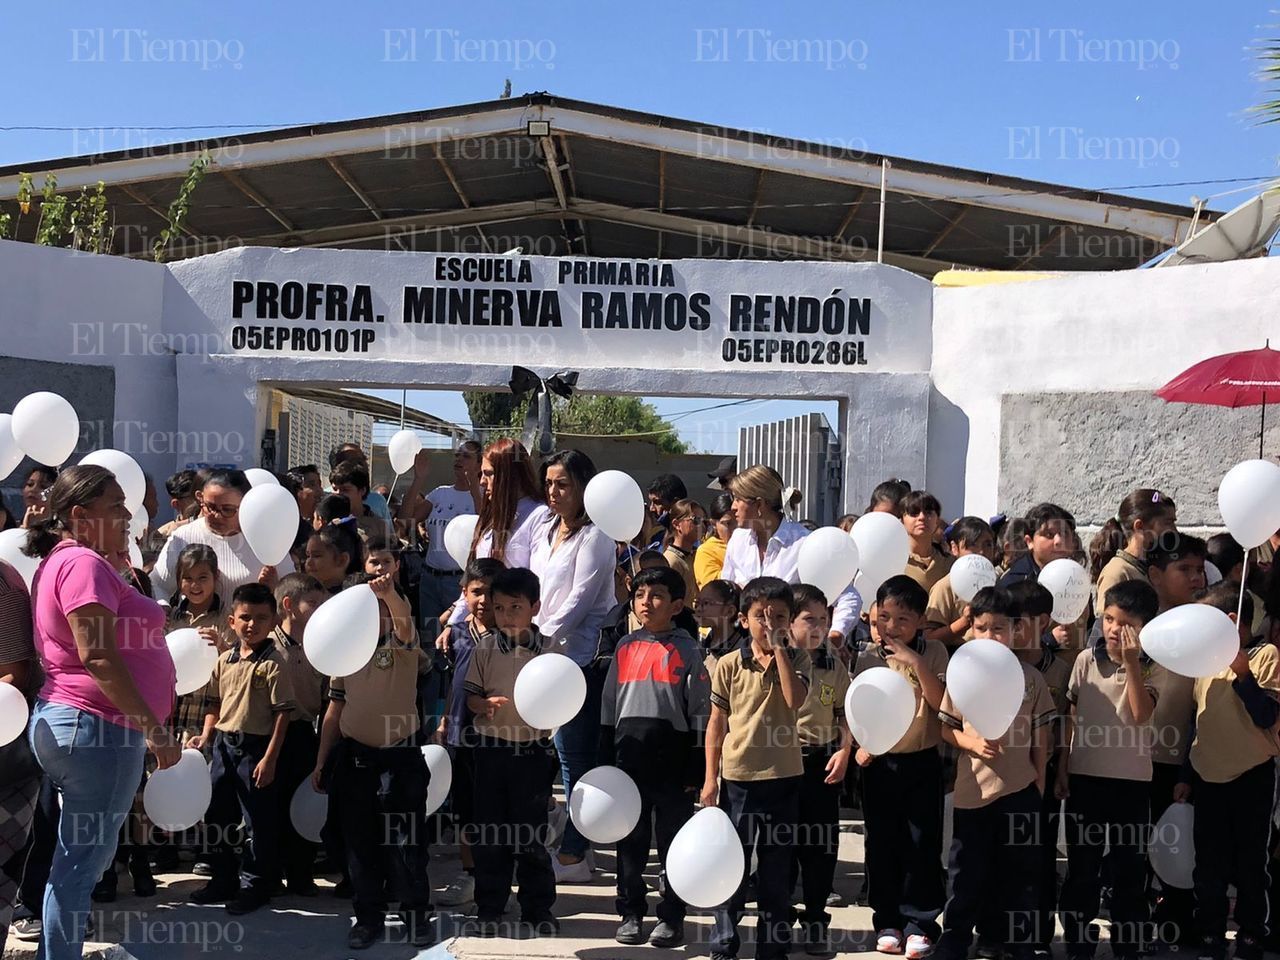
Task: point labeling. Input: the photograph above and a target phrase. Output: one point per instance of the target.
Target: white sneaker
(28, 929)
(918, 947)
(579, 872)
(462, 890)
(889, 941)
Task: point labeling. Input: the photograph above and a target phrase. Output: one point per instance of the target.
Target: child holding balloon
(1231, 779)
(999, 783)
(196, 605)
(825, 744)
(948, 619)
(903, 786)
(1106, 780)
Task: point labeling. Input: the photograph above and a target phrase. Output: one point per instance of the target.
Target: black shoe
(542, 925)
(1212, 948)
(342, 889)
(1247, 948)
(247, 902)
(144, 884)
(816, 941)
(484, 925)
(202, 868)
(303, 887)
(104, 891)
(988, 950)
(667, 935)
(363, 937)
(629, 931)
(215, 893)
(418, 925)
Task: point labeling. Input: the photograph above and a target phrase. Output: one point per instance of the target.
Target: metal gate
(806, 452)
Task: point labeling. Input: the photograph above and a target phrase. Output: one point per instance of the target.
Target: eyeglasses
(227, 511)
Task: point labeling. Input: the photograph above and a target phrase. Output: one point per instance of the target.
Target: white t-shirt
(446, 503)
(236, 561)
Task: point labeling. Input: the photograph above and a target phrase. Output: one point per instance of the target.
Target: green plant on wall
(88, 227)
(177, 214)
(53, 214)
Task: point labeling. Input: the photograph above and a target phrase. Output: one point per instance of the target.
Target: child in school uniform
(1230, 777)
(513, 766)
(297, 597)
(752, 742)
(198, 606)
(250, 700)
(999, 783)
(719, 629)
(1106, 781)
(455, 729)
(903, 789)
(653, 713)
(948, 619)
(1031, 641)
(825, 744)
(371, 765)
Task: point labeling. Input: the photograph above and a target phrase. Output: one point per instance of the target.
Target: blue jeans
(96, 767)
(436, 594)
(578, 743)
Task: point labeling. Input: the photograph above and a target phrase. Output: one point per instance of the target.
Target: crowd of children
(718, 694)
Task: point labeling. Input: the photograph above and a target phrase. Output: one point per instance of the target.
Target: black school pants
(817, 844)
(902, 802)
(297, 761)
(665, 806)
(234, 796)
(1173, 915)
(1232, 833)
(764, 813)
(512, 793)
(377, 797)
(993, 859)
(1104, 811)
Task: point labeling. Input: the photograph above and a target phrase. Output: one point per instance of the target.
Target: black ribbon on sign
(539, 439)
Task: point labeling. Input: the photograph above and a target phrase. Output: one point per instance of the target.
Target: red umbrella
(1231, 380)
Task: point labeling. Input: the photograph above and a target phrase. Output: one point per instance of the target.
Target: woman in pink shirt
(108, 690)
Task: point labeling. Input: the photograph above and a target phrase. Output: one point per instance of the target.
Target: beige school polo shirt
(380, 700)
(823, 709)
(924, 732)
(495, 664)
(980, 782)
(1120, 568)
(308, 683)
(945, 608)
(927, 571)
(1172, 717)
(1106, 742)
(250, 690)
(763, 742)
(1227, 742)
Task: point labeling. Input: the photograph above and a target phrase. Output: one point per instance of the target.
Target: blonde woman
(767, 544)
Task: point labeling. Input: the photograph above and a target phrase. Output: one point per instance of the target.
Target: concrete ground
(166, 927)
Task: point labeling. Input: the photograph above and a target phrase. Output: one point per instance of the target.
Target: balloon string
(1244, 576)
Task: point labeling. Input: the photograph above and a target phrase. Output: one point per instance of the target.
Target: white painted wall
(1130, 330)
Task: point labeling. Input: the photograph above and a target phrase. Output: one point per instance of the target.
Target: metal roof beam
(140, 197)
(946, 231)
(238, 182)
(355, 188)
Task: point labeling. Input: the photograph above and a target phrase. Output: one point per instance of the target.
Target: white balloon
(1069, 584)
(614, 503)
(1173, 846)
(458, 534)
(880, 706)
(177, 797)
(883, 550)
(138, 524)
(987, 685)
(127, 473)
(343, 632)
(828, 560)
(46, 427)
(549, 691)
(10, 453)
(401, 450)
(1212, 574)
(193, 659)
(605, 805)
(269, 521)
(11, 544)
(440, 767)
(705, 862)
(1193, 640)
(135, 556)
(1249, 501)
(971, 573)
(258, 477)
(308, 811)
(14, 713)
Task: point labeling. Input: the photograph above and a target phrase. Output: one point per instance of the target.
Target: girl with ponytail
(1119, 550)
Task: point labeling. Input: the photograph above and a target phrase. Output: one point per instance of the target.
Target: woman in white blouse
(767, 544)
(574, 561)
(218, 527)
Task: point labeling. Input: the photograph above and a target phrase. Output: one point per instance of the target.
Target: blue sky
(1149, 100)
